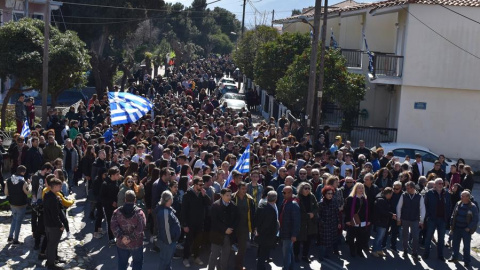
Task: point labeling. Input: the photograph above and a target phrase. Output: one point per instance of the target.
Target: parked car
(234, 101)
(401, 150)
(226, 80)
(229, 88)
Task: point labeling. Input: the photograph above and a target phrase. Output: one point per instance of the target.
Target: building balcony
(387, 67)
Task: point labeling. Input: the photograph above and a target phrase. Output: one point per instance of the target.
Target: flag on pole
(25, 129)
(243, 165)
(370, 54)
(334, 43)
(127, 108)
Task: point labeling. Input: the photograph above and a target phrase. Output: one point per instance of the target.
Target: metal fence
(372, 136)
(387, 65)
(353, 57)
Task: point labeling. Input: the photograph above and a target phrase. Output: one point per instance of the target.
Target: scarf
(352, 210)
(285, 201)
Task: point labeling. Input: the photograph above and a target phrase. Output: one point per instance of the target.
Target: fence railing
(387, 65)
(353, 57)
(372, 136)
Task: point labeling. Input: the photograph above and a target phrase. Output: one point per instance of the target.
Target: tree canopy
(340, 86)
(21, 44)
(274, 57)
(249, 45)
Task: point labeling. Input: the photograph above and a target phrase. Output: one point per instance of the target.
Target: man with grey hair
(463, 224)
(128, 225)
(169, 229)
(410, 214)
(266, 228)
(437, 206)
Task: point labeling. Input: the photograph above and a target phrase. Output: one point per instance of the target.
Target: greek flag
(243, 165)
(127, 108)
(333, 42)
(25, 130)
(370, 54)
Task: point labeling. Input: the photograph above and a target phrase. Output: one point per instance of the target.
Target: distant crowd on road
(170, 178)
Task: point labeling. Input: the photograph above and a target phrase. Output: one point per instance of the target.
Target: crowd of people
(170, 178)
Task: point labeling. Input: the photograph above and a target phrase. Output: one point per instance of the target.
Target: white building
(426, 77)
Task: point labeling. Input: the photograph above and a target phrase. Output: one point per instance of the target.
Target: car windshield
(234, 96)
(228, 81)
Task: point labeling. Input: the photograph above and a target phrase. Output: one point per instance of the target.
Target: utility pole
(313, 62)
(273, 16)
(45, 64)
(322, 70)
(243, 16)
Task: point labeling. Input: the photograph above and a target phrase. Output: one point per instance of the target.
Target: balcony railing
(353, 57)
(389, 65)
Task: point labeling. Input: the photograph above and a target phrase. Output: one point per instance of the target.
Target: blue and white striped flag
(127, 108)
(370, 54)
(243, 165)
(25, 130)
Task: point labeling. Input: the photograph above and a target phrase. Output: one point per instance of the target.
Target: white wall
(433, 62)
(351, 32)
(449, 125)
(381, 32)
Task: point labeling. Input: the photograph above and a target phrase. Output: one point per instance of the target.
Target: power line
(458, 13)
(433, 30)
(134, 8)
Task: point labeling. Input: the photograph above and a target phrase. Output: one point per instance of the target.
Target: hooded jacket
(128, 221)
(16, 196)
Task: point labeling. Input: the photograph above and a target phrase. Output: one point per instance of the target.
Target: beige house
(425, 80)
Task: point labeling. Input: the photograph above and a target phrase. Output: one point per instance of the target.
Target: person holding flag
(242, 166)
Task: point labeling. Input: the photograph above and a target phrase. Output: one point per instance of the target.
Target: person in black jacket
(267, 225)
(224, 216)
(195, 203)
(383, 214)
(33, 159)
(108, 197)
(53, 223)
(38, 183)
(467, 181)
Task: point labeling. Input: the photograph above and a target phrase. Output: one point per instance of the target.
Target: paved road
(83, 252)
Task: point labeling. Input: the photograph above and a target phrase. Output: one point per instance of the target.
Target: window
(402, 152)
(38, 16)
(426, 156)
(17, 15)
(1, 17)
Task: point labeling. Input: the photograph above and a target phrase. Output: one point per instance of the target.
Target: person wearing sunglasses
(329, 221)
(129, 184)
(194, 206)
(308, 222)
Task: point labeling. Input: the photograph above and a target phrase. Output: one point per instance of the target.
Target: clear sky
(283, 8)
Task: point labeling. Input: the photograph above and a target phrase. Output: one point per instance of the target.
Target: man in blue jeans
(437, 214)
(463, 224)
(128, 225)
(289, 226)
(17, 190)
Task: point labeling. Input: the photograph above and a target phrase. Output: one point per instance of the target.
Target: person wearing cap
(417, 168)
(336, 145)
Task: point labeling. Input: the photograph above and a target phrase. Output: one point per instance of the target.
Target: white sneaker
(198, 261)
(186, 263)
